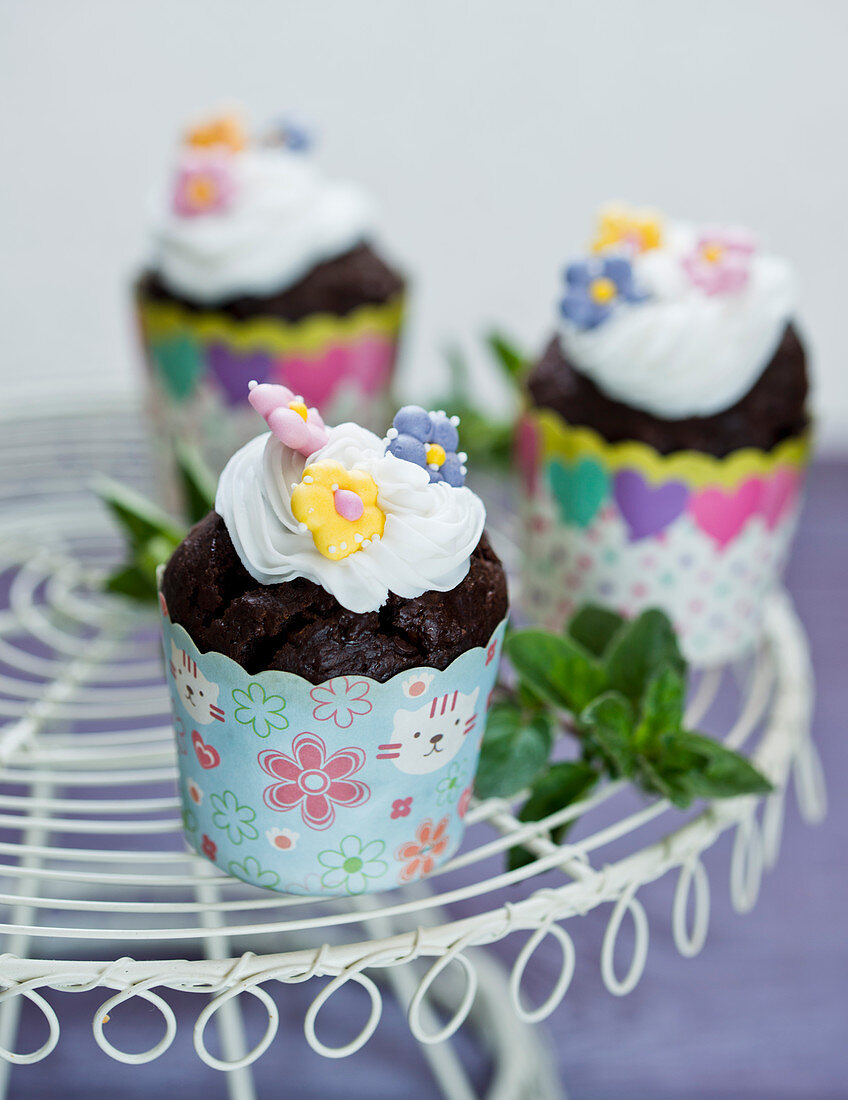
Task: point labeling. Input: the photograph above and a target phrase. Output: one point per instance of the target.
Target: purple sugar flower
(593, 289)
(430, 440)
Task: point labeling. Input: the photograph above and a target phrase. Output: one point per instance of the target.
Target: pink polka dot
(639, 591)
(696, 607)
(584, 562)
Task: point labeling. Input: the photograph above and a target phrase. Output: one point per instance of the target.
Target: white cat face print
(426, 739)
(198, 695)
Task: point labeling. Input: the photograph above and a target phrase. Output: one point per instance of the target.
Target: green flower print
(250, 870)
(189, 819)
(237, 820)
(352, 864)
(449, 787)
(263, 712)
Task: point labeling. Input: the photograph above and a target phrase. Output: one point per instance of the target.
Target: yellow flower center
(602, 290)
(299, 408)
(323, 501)
(201, 191)
(435, 454)
(712, 252)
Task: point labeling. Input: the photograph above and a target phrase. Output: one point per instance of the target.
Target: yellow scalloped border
(164, 320)
(563, 440)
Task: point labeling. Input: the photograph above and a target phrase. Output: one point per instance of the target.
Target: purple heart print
(645, 508)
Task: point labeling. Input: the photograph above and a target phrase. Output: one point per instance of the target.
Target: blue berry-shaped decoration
(430, 440)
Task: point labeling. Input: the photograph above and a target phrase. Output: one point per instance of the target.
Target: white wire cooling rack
(97, 889)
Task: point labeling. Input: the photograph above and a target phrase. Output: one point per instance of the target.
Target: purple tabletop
(760, 1013)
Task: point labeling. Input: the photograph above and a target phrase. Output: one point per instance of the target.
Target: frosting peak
(351, 517)
(249, 218)
(704, 320)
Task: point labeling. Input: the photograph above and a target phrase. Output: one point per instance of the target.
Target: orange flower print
(420, 855)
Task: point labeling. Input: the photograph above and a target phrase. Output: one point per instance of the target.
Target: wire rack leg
(228, 1017)
(19, 944)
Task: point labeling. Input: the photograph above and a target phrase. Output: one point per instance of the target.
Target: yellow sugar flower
(222, 130)
(339, 507)
(639, 230)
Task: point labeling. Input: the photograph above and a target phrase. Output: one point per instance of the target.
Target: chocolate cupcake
(333, 631)
(667, 432)
(261, 268)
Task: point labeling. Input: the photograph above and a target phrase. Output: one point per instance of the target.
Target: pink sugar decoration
(720, 261)
(348, 504)
(274, 403)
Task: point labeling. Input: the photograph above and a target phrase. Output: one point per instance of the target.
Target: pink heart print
(722, 513)
(779, 494)
(207, 755)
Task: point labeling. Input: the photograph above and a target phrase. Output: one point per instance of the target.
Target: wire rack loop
(547, 927)
(692, 883)
(746, 862)
(416, 1025)
(352, 974)
(199, 1033)
(627, 903)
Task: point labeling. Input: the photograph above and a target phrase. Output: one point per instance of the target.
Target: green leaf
(132, 582)
(561, 785)
(555, 668)
(662, 707)
(510, 359)
(197, 481)
(140, 519)
(607, 724)
(514, 751)
(594, 628)
(722, 773)
(459, 375)
(639, 651)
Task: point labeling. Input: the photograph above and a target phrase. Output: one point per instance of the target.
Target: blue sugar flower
(430, 440)
(593, 289)
(291, 134)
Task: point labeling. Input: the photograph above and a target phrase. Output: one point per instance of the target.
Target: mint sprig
(151, 535)
(620, 686)
(488, 440)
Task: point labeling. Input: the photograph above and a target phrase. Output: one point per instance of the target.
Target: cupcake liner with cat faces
(703, 538)
(200, 363)
(342, 788)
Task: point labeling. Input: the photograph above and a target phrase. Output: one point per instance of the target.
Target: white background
(489, 131)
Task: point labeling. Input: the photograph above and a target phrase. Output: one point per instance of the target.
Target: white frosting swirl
(683, 352)
(284, 219)
(430, 532)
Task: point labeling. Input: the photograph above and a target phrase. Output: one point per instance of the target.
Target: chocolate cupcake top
(358, 515)
(674, 319)
(244, 216)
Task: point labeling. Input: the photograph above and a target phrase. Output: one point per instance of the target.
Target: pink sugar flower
(720, 262)
(204, 185)
(299, 428)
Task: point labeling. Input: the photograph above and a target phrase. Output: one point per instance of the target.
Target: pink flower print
(163, 607)
(720, 262)
(401, 808)
(314, 781)
(195, 792)
(300, 428)
(204, 185)
(340, 700)
(420, 855)
(464, 802)
(210, 848)
(490, 653)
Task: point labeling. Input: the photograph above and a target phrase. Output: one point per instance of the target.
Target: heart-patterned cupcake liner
(200, 363)
(704, 538)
